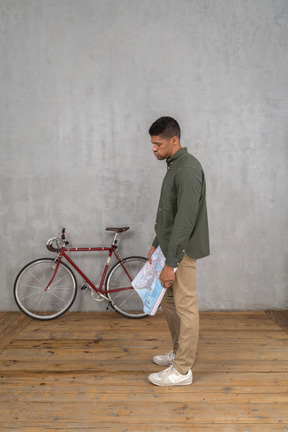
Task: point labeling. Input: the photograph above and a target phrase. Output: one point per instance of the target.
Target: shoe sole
(160, 384)
(162, 364)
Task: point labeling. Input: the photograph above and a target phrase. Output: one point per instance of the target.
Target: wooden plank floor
(88, 372)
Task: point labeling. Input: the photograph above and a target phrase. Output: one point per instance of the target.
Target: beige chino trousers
(180, 307)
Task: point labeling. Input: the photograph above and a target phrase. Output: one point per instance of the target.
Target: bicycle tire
(38, 303)
(126, 303)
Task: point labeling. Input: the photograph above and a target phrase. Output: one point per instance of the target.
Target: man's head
(166, 127)
(165, 136)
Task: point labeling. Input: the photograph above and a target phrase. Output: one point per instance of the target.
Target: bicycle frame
(111, 250)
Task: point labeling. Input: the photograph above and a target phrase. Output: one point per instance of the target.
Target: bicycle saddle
(118, 230)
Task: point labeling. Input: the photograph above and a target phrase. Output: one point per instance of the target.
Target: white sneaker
(165, 360)
(170, 377)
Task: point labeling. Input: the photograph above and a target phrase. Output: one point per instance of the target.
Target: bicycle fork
(57, 262)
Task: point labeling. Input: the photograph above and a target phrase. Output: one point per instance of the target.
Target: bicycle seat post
(115, 239)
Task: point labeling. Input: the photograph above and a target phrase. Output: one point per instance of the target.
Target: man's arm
(189, 190)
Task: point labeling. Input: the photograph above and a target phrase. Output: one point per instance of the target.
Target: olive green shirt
(181, 222)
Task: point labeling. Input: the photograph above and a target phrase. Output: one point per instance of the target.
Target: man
(182, 233)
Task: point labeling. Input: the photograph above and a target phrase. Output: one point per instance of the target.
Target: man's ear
(175, 141)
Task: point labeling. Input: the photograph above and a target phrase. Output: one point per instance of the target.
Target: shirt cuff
(155, 242)
(174, 262)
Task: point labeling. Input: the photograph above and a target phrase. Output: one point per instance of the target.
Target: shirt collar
(176, 155)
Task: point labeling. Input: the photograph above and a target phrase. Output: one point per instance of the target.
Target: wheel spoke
(59, 280)
(27, 296)
(33, 286)
(35, 278)
(55, 295)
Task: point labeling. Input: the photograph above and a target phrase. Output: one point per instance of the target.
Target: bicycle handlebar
(60, 242)
(50, 245)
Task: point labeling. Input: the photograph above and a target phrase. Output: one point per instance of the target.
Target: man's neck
(179, 147)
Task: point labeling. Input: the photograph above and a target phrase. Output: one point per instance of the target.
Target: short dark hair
(167, 127)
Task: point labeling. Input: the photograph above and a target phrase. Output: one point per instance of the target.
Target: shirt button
(159, 209)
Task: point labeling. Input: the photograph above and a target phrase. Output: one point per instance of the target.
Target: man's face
(162, 147)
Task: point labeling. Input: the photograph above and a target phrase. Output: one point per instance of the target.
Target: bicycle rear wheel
(127, 303)
(31, 296)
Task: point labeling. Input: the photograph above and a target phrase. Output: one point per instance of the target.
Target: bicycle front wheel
(44, 304)
(127, 302)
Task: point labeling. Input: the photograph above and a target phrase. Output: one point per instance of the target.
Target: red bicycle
(46, 288)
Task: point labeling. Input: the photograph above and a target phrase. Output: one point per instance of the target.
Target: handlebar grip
(53, 245)
(50, 246)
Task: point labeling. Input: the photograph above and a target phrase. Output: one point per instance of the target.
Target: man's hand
(167, 276)
(150, 253)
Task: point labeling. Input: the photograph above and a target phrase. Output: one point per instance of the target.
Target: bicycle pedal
(84, 287)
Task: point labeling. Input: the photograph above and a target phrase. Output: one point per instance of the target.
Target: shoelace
(168, 370)
(171, 356)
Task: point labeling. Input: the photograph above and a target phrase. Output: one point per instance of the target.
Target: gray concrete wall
(80, 83)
